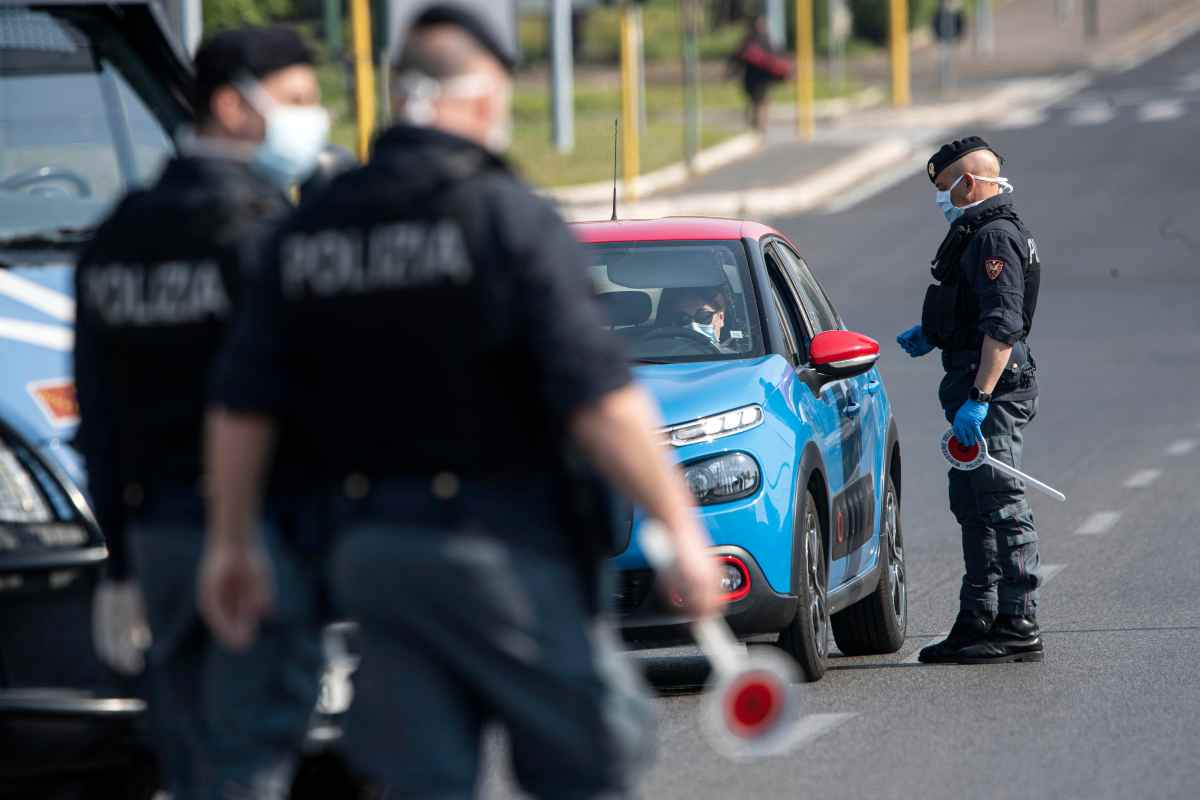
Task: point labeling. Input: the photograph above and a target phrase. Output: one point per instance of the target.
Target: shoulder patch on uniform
(993, 267)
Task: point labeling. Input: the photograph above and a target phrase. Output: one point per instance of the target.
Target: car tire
(877, 624)
(806, 638)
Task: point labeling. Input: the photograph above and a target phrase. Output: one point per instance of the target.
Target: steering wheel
(32, 177)
(679, 334)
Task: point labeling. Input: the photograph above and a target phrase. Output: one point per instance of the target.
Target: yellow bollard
(804, 69)
(364, 75)
(629, 100)
(901, 75)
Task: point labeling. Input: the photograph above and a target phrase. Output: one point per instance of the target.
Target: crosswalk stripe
(1160, 111)
(1091, 114)
(1100, 522)
(1181, 447)
(1022, 118)
(1143, 478)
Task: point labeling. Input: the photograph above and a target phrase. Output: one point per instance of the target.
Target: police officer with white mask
(155, 289)
(979, 314)
(427, 328)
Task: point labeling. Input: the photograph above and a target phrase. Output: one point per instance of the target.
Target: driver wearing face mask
(704, 313)
(155, 290)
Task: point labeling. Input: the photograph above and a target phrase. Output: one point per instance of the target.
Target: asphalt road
(1107, 181)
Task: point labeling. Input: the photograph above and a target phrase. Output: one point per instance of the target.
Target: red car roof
(669, 229)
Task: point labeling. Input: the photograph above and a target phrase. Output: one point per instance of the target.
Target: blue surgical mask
(708, 330)
(949, 210)
(953, 212)
(294, 139)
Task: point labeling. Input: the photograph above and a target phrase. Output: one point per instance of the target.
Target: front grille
(632, 587)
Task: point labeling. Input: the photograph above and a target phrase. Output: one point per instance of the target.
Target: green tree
(220, 14)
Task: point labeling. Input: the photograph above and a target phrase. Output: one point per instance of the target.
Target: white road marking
(1048, 572)
(885, 181)
(1100, 522)
(1096, 113)
(1143, 478)
(1021, 118)
(810, 727)
(1182, 447)
(54, 337)
(48, 301)
(1161, 111)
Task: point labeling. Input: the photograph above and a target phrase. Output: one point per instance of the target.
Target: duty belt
(953, 360)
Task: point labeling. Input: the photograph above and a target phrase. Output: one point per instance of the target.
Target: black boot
(970, 628)
(1012, 638)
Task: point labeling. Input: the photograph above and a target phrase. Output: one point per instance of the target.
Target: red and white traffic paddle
(750, 706)
(960, 456)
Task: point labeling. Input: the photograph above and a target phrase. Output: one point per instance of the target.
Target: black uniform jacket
(425, 314)
(154, 291)
(997, 277)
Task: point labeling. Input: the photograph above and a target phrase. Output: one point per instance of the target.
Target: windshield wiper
(651, 361)
(47, 240)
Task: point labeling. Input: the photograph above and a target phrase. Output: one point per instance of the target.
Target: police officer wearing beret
(155, 290)
(427, 328)
(979, 313)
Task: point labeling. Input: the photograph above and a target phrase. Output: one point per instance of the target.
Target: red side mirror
(843, 354)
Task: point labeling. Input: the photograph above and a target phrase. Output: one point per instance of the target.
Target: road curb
(1149, 40)
(708, 160)
(816, 189)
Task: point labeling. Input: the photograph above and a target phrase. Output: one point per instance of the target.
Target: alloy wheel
(817, 597)
(895, 544)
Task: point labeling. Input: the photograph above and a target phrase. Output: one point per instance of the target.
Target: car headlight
(722, 478)
(20, 500)
(706, 429)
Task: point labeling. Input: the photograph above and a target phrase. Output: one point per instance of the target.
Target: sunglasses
(704, 316)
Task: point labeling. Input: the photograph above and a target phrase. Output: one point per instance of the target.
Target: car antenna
(616, 123)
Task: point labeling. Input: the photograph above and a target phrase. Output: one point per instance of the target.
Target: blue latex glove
(968, 420)
(913, 342)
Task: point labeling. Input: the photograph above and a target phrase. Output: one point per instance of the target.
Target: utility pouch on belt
(937, 313)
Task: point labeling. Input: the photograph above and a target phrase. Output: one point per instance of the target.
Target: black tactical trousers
(999, 540)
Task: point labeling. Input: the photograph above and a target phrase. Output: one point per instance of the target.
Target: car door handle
(853, 407)
(874, 386)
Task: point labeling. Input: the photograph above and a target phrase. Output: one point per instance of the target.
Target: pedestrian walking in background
(427, 329)
(760, 67)
(979, 314)
(156, 289)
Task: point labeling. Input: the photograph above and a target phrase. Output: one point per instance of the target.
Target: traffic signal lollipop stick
(966, 458)
(750, 707)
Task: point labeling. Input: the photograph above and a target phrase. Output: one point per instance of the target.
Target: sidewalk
(1038, 60)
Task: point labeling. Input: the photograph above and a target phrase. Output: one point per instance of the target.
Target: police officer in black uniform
(979, 314)
(427, 329)
(155, 290)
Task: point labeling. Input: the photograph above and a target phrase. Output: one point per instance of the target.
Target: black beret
(226, 56)
(949, 153)
(479, 29)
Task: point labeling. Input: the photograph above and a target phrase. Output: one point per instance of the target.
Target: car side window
(816, 302)
(793, 327)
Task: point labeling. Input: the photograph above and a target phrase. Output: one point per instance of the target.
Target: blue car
(780, 421)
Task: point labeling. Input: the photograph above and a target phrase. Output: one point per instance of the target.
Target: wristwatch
(978, 396)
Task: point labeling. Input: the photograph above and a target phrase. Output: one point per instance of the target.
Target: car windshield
(678, 301)
(81, 119)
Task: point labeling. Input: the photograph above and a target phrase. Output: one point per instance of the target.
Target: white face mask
(294, 139)
(421, 92)
(953, 212)
(708, 330)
